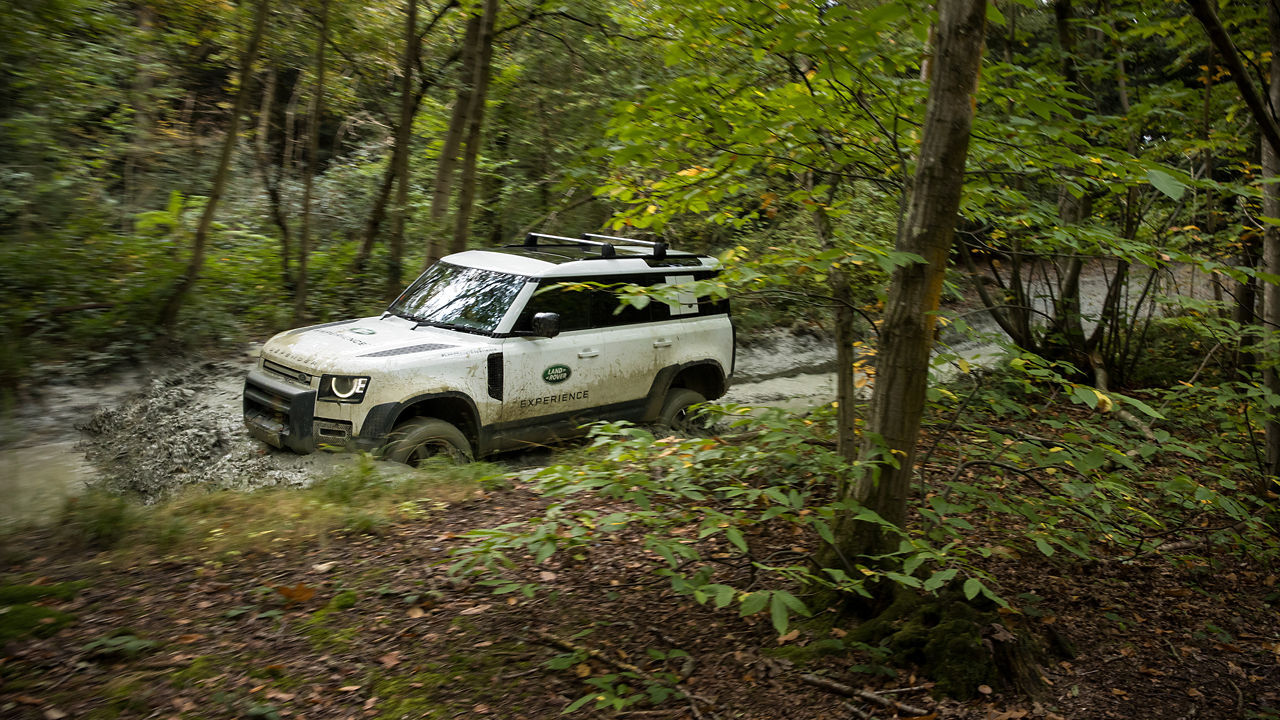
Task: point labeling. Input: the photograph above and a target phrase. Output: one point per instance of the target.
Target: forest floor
(367, 624)
(218, 615)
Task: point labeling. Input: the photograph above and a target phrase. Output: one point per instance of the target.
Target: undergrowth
(361, 499)
(1022, 461)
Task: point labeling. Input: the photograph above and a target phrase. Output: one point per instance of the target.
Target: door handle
(588, 353)
(661, 343)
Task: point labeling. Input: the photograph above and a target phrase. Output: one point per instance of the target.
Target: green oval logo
(556, 374)
(362, 331)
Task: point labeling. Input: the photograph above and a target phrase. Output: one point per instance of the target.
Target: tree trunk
(168, 316)
(906, 333)
(1270, 129)
(137, 184)
(475, 122)
(399, 169)
(313, 167)
(1271, 243)
(262, 148)
(443, 186)
(413, 42)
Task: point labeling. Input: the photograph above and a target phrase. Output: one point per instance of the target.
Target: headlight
(343, 388)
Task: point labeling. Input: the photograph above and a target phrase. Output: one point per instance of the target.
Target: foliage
(731, 520)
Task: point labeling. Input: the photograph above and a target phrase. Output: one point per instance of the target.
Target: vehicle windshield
(458, 297)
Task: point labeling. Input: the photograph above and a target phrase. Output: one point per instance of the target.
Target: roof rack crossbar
(606, 250)
(659, 248)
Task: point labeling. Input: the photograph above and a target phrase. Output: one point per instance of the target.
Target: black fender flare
(662, 383)
(382, 419)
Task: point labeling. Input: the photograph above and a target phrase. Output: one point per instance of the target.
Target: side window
(573, 306)
(608, 310)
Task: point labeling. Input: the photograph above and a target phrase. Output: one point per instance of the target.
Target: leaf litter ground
(370, 626)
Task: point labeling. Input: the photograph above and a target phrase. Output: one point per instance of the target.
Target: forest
(1079, 522)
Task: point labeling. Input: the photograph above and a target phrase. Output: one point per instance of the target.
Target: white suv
(492, 350)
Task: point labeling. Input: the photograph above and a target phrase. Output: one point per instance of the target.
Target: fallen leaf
(299, 593)
(838, 632)
(349, 688)
(582, 670)
(546, 576)
(28, 700)
(391, 659)
(188, 639)
(784, 639)
(1194, 692)
(54, 714)
(481, 709)
(323, 567)
(281, 696)
(415, 612)
(476, 610)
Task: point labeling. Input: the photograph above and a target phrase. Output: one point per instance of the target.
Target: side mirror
(546, 324)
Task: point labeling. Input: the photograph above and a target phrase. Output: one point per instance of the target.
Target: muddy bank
(185, 428)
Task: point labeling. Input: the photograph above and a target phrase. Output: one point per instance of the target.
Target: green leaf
(938, 579)
(972, 587)
(1044, 547)
(735, 536)
(724, 595)
(778, 614)
(1166, 183)
(753, 603)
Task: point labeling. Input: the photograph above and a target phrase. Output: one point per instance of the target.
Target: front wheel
(420, 438)
(676, 416)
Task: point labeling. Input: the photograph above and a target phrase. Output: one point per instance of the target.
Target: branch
(1218, 35)
(556, 641)
(841, 689)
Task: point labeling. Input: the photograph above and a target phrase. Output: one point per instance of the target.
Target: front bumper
(279, 414)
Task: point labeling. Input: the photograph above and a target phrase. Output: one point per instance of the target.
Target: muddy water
(36, 480)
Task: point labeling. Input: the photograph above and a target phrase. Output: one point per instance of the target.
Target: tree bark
(1271, 241)
(261, 150)
(378, 212)
(443, 186)
(313, 166)
(400, 156)
(906, 334)
(138, 188)
(1270, 129)
(475, 122)
(168, 316)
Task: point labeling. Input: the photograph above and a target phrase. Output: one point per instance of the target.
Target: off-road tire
(675, 413)
(420, 438)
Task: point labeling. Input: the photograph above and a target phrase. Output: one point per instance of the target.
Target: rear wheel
(676, 416)
(420, 438)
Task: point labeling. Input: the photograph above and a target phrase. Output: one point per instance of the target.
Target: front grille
(286, 372)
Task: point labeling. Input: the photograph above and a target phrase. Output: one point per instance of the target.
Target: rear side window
(601, 307)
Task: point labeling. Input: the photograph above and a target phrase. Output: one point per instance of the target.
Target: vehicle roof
(574, 260)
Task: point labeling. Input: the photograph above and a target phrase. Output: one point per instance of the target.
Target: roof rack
(659, 248)
(606, 250)
(596, 240)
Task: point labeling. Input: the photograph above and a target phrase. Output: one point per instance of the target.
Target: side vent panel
(495, 376)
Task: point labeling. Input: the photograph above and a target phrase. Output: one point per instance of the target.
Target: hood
(351, 345)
